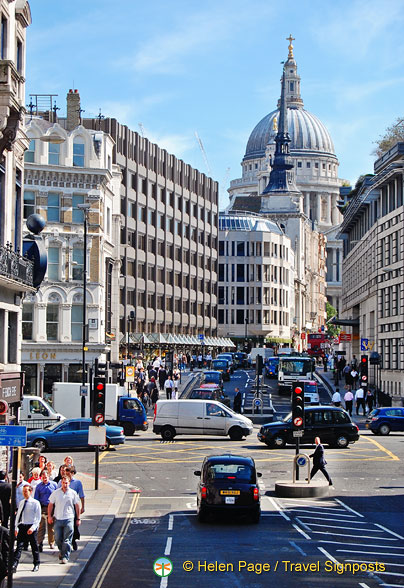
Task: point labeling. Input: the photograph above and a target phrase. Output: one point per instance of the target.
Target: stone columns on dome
(328, 208)
(318, 211)
(334, 210)
(307, 203)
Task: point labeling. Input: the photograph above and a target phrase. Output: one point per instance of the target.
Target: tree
(333, 330)
(392, 135)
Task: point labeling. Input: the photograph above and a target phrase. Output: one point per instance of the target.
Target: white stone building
(66, 166)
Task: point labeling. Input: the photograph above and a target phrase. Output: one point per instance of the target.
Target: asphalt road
(361, 521)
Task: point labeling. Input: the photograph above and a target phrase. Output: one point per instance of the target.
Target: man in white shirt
(360, 401)
(336, 398)
(26, 527)
(169, 387)
(348, 398)
(63, 504)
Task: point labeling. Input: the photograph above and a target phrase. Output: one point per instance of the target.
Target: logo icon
(162, 567)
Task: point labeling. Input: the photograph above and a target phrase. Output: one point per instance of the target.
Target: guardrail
(16, 267)
(38, 423)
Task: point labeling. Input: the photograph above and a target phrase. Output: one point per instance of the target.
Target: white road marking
(278, 508)
(337, 514)
(370, 552)
(380, 562)
(388, 531)
(351, 522)
(303, 524)
(356, 536)
(350, 509)
(305, 535)
(324, 552)
(299, 549)
(348, 528)
(167, 550)
(362, 544)
(170, 522)
(363, 585)
(164, 582)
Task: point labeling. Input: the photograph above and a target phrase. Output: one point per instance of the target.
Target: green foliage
(393, 135)
(333, 330)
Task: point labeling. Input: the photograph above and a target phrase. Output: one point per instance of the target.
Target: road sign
(97, 435)
(344, 337)
(83, 391)
(298, 433)
(99, 418)
(257, 402)
(298, 422)
(13, 436)
(367, 345)
(130, 373)
(201, 336)
(301, 460)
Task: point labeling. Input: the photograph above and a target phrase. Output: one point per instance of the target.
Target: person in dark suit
(5, 495)
(319, 462)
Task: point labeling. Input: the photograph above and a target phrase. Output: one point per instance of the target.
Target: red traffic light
(298, 390)
(3, 407)
(100, 386)
(364, 359)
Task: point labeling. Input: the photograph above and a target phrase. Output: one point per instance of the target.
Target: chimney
(73, 109)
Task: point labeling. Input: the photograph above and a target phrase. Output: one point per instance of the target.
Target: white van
(36, 413)
(199, 417)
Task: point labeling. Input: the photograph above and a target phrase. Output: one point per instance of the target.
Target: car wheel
(128, 429)
(278, 442)
(255, 517)
(106, 446)
(236, 434)
(341, 442)
(167, 433)
(384, 429)
(40, 444)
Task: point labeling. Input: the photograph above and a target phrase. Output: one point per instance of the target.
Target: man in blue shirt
(42, 493)
(26, 527)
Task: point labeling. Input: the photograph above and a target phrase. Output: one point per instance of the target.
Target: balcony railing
(15, 267)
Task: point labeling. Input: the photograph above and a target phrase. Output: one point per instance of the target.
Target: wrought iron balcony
(16, 268)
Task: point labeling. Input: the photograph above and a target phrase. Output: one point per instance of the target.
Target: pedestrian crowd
(50, 502)
(354, 394)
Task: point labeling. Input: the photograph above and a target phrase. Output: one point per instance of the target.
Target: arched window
(29, 155)
(78, 152)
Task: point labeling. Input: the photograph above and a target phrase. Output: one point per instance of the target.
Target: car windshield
(310, 388)
(296, 366)
(221, 364)
(373, 413)
(230, 471)
(211, 378)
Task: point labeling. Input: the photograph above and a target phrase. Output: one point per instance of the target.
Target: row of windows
(240, 272)
(52, 322)
(163, 276)
(4, 32)
(54, 153)
(143, 214)
(54, 206)
(246, 317)
(140, 241)
(250, 295)
(255, 249)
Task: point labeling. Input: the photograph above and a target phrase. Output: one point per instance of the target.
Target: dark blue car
(383, 420)
(72, 433)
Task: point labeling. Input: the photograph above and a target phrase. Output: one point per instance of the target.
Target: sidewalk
(102, 506)
(327, 379)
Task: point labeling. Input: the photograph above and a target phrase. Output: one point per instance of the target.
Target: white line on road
(350, 521)
(370, 552)
(356, 536)
(388, 531)
(337, 514)
(379, 562)
(361, 544)
(164, 582)
(170, 522)
(167, 550)
(358, 514)
(278, 508)
(303, 524)
(324, 552)
(305, 535)
(362, 585)
(299, 549)
(347, 528)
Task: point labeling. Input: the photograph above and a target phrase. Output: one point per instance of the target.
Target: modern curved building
(315, 167)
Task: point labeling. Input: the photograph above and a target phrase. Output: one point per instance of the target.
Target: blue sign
(257, 402)
(13, 436)
(202, 337)
(301, 461)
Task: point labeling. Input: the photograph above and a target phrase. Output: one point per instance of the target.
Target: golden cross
(290, 39)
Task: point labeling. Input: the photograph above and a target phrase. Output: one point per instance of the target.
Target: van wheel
(128, 429)
(278, 442)
(40, 444)
(341, 442)
(384, 429)
(236, 434)
(167, 433)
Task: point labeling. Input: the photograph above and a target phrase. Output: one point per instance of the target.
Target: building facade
(16, 273)
(373, 271)
(256, 280)
(68, 166)
(316, 171)
(169, 216)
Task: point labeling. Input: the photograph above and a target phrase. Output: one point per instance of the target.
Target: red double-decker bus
(316, 344)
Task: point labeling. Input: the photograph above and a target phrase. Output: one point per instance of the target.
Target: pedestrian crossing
(347, 537)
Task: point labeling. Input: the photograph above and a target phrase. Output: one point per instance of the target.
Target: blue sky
(213, 67)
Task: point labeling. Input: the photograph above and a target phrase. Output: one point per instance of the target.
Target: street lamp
(85, 207)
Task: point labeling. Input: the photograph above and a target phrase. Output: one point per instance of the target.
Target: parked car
(230, 359)
(241, 359)
(311, 395)
(72, 433)
(383, 420)
(222, 365)
(210, 392)
(228, 483)
(332, 424)
(212, 377)
(271, 367)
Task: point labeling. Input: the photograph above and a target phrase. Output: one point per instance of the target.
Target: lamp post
(85, 207)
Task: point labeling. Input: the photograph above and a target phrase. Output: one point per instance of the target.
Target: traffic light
(259, 365)
(100, 370)
(364, 374)
(298, 406)
(98, 404)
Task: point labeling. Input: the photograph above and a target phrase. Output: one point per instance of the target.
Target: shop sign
(42, 355)
(10, 387)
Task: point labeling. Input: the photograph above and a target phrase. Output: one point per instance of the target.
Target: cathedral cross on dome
(290, 39)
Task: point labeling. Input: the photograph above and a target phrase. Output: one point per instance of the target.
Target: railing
(16, 267)
(37, 423)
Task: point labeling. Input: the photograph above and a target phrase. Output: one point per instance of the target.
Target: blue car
(383, 420)
(271, 366)
(72, 433)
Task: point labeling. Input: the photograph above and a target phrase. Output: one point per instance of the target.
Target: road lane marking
(303, 524)
(386, 563)
(278, 508)
(324, 552)
(346, 528)
(117, 544)
(389, 453)
(305, 535)
(361, 544)
(370, 552)
(388, 531)
(356, 536)
(167, 550)
(330, 514)
(349, 508)
(299, 549)
(170, 522)
(351, 522)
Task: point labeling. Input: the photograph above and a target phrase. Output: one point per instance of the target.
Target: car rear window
(221, 364)
(310, 388)
(341, 417)
(230, 471)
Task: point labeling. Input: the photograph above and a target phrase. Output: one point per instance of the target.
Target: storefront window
(52, 373)
(30, 371)
(75, 372)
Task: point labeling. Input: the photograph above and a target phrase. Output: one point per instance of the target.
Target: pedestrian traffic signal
(298, 406)
(98, 404)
